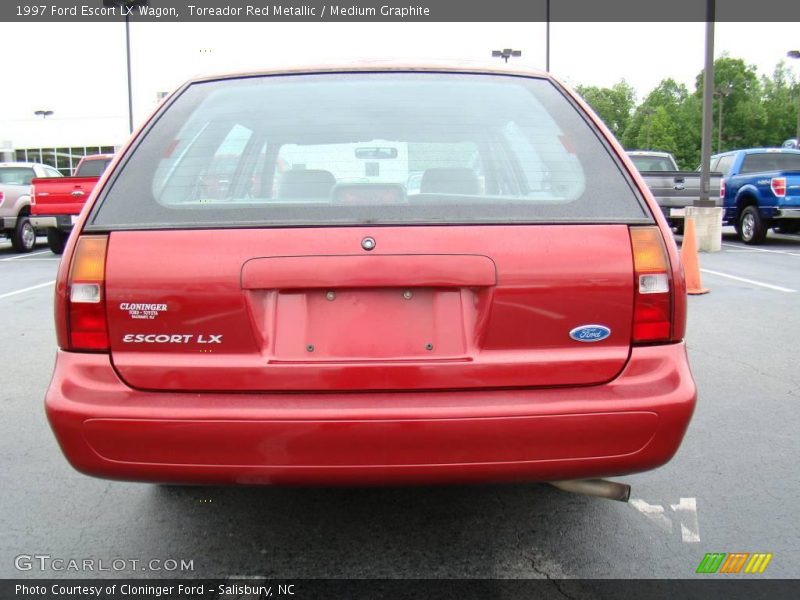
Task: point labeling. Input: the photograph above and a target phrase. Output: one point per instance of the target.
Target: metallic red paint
(678, 280)
(621, 409)
(633, 423)
(515, 332)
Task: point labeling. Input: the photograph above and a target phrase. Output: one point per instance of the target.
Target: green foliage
(756, 111)
(614, 105)
(780, 99)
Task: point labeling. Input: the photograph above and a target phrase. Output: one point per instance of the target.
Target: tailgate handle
(358, 271)
(77, 193)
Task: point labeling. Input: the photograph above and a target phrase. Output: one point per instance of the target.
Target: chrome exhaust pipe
(601, 488)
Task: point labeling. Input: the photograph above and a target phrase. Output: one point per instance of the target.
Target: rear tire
(24, 237)
(56, 240)
(752, 230)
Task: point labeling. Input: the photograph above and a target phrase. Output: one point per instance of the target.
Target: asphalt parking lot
(733, 486)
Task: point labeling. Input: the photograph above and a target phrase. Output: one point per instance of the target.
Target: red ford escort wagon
(371, 275)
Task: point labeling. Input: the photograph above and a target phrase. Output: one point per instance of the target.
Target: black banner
(731, 588)
(398, 10)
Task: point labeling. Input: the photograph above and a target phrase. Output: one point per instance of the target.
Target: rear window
(348, 149)
(93, 168)
(652, 163)
(16, 175)
(770, 161)
(724, 164)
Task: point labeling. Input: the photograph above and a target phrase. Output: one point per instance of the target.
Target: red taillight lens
(88, 328)
(778, 185)
(722, 188)
(652, 309)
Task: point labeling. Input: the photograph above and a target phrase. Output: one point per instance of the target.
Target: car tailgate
(679, 189)
(60, 195)
(430, 307)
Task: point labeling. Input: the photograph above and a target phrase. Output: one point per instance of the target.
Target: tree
(756, 111)
(780, 103)
(744, 116)
(664, 122)
(614, 105)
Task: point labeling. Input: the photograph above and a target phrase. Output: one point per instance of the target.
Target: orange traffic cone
(691, 266)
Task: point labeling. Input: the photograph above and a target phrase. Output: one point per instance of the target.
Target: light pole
(43, 113)
(648, 112)
(127, 7)
(721, 93)
(547, 36)
(796, 54)
(708, 85)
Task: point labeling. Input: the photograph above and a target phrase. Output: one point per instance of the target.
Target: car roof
(648, 153)
(28, 165)
(97, 157)
(366, 66)
(759, 151)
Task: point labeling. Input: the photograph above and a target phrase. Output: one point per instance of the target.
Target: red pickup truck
(56, 202)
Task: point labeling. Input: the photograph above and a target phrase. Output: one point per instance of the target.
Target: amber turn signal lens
(89, 261)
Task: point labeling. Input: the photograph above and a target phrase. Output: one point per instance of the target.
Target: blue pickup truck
(760, 190)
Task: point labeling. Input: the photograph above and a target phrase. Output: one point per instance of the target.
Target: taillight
(2, 197)
(86, 305)
(652, 308)
(778, 185)
(722, 188)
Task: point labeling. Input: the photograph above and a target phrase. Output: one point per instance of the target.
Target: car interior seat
(306, 183)
(450, 181)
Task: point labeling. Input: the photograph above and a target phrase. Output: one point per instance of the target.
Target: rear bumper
(60, 222)
(787, 213)
(8, 222)
(634, 423)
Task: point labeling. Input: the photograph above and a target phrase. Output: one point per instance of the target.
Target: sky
(78, 70)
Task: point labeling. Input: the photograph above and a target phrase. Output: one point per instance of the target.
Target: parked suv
(520, 317)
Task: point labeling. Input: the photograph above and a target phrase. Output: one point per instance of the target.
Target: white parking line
(685, 513)
(27, 289)
(42, 260)
(654, 512)
(750, 249)
(769, 286)
(18, 256)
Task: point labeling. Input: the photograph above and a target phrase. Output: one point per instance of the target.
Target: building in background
(59, 140)
(63, 159)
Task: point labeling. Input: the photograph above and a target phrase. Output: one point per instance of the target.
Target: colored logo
(735, 562)
(590, 333)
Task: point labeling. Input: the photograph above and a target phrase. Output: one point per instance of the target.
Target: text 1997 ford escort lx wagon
(371, 276)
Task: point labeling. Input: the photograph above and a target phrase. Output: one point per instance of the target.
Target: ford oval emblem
(590, 333)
